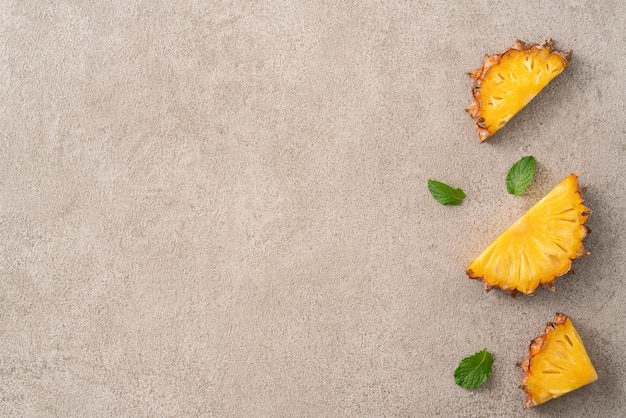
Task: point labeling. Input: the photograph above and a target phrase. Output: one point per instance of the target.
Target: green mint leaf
(474, 370)
(445, 194)
(520, 175)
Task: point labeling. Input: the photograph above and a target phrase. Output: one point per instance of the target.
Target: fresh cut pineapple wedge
(507, 81)
(540, 246)
(556, 364)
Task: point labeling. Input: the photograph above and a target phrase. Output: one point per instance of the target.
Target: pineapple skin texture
(485, 94)
(539, 381)
(539, 247)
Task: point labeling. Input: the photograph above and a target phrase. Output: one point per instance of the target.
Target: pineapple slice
(507, 81)
(557, 363)
(540, 246)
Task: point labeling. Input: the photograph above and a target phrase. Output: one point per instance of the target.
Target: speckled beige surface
(220, 208)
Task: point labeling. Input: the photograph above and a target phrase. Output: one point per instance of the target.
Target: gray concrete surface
(220, 208)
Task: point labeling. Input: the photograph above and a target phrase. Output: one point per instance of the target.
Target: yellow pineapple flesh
(507, 81)
(540, 246)
(557, 363)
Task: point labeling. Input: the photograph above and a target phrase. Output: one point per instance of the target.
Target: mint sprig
(445, 194)
(474, 370)
(520, 175)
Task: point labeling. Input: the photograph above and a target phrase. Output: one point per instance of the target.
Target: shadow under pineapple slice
(509, 80)
(540, 246)
(557, 363)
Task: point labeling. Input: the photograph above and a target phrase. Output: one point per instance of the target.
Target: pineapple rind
(557, 363)
(540, 246)
(480, 76)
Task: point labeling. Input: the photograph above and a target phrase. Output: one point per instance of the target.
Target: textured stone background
(220, 208)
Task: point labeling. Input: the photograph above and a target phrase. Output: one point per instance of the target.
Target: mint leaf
(474, 370)
(520, 175)
(445, 194)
